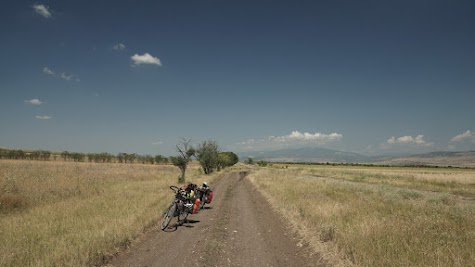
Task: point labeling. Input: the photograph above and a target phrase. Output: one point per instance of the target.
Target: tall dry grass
(378, 217)
(78, 214)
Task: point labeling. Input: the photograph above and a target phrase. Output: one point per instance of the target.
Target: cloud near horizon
(298, 136)
(34, 101)
(295, 138)
(44, 117)
(43, 11)
(145, 59)
(464, 136)
(407, 139)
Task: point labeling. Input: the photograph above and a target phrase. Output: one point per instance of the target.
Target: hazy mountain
(312, 154)
(306, 154)
(439, 158)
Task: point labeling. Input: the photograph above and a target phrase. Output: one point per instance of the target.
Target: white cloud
(48, 71)
(66, 77)
(119, 47)
(464, 136)
(43, 11)
(43, 117)
(407, 139)
(145, 59)
(69, 77)
(248, 142)
(34, 102)
(294, 139)
(157, 143)
(298, 136)
(63, 75)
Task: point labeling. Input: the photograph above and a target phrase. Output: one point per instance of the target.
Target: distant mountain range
(440, 158)
(322, 155)
(306, 154)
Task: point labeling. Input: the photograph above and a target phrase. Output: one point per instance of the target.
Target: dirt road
(237, 229)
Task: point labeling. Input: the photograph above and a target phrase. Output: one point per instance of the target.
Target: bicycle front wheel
(167, 217)
(182, 216)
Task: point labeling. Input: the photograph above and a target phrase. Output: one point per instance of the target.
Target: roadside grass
(377, 217)
(79, 214)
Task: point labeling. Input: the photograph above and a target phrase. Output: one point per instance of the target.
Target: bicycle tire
(167, 217)
(203, 202)
(182, 216)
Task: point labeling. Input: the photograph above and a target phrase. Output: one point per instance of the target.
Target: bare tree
(185, 152)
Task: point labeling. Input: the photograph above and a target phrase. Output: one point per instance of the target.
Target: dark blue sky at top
(245, 73)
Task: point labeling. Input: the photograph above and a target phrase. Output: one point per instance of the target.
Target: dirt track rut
(237, 229)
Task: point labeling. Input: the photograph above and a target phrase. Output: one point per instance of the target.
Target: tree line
(82, 157)
(207, 153)
(21, 154)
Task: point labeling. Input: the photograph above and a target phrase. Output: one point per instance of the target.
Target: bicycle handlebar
(174, 188)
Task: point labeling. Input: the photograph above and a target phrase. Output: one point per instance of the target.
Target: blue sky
(372, 77)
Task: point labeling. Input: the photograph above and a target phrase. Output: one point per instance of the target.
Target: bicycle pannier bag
(196, 205)
(210, 197)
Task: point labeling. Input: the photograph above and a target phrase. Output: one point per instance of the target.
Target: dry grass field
(78, 214)
(361, 216)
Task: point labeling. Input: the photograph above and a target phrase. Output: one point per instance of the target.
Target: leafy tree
(148, 159)
(105, 157)
(19, 154)
(78, 157)
(131, 158)
(109, 157)
(122, 157)
(185, 152)
(207, 155)
(161, 159)
(34, 155)
(65, 155)
(44, 154)
(126, 158)
(227, 159)
(262, 163)
(91, 157)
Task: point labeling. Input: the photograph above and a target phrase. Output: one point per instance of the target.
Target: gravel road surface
(237, 229)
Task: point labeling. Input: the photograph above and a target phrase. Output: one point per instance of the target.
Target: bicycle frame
(178, 208)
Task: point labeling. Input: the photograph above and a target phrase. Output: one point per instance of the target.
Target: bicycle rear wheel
(203, 201)
(167, 217)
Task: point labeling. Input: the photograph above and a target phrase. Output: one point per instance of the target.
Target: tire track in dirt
(239, 228)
